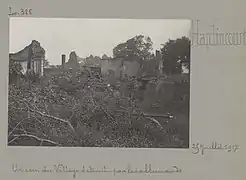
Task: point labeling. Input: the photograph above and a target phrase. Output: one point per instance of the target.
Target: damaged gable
(31, 57)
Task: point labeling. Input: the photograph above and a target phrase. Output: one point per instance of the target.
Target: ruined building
(31, 58)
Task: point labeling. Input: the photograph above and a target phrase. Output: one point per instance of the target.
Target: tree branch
(149, 114)
(35, 137)
(52, 117)
(17, 125)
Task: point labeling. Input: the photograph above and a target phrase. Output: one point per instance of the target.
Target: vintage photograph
(76, 82)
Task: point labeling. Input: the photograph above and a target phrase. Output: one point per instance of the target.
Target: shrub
(52, 116)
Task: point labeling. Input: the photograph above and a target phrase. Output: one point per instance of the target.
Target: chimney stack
(158, 58)
(63, 60)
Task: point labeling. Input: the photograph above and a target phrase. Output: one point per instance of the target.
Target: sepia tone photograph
(119, 83)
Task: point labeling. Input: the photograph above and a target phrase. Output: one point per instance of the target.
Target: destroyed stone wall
(132, 68)
(72, 61)
(113, 65)
(129, 67)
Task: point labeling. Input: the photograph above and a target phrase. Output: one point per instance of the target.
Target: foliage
(139, 46)
(46, 63)
(176, 53)
(91, 115)
(14, 69)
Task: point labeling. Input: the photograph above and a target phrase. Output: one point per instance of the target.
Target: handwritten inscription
(20, 12)
(61, 168)
(199, 148)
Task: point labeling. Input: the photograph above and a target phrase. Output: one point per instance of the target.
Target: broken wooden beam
(149, 114)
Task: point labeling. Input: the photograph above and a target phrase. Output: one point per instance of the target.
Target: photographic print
(122, 83)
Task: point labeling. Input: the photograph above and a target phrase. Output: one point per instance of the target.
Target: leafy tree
(14, 69)
(176, 53)
(46, 63)
(139, 46)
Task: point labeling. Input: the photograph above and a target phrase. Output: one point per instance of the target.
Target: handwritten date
(20, 12)
(199, 148)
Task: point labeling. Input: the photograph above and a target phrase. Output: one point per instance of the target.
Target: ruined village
(136, 99)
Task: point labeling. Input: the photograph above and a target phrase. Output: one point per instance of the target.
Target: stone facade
(31, 58)
(113, 64)
(132, 67)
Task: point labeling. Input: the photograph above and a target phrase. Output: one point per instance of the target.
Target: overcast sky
(89, 36)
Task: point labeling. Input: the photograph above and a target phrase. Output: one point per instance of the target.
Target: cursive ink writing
(17, 169)
(61, 168)
(200, 148)
(20, 12)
